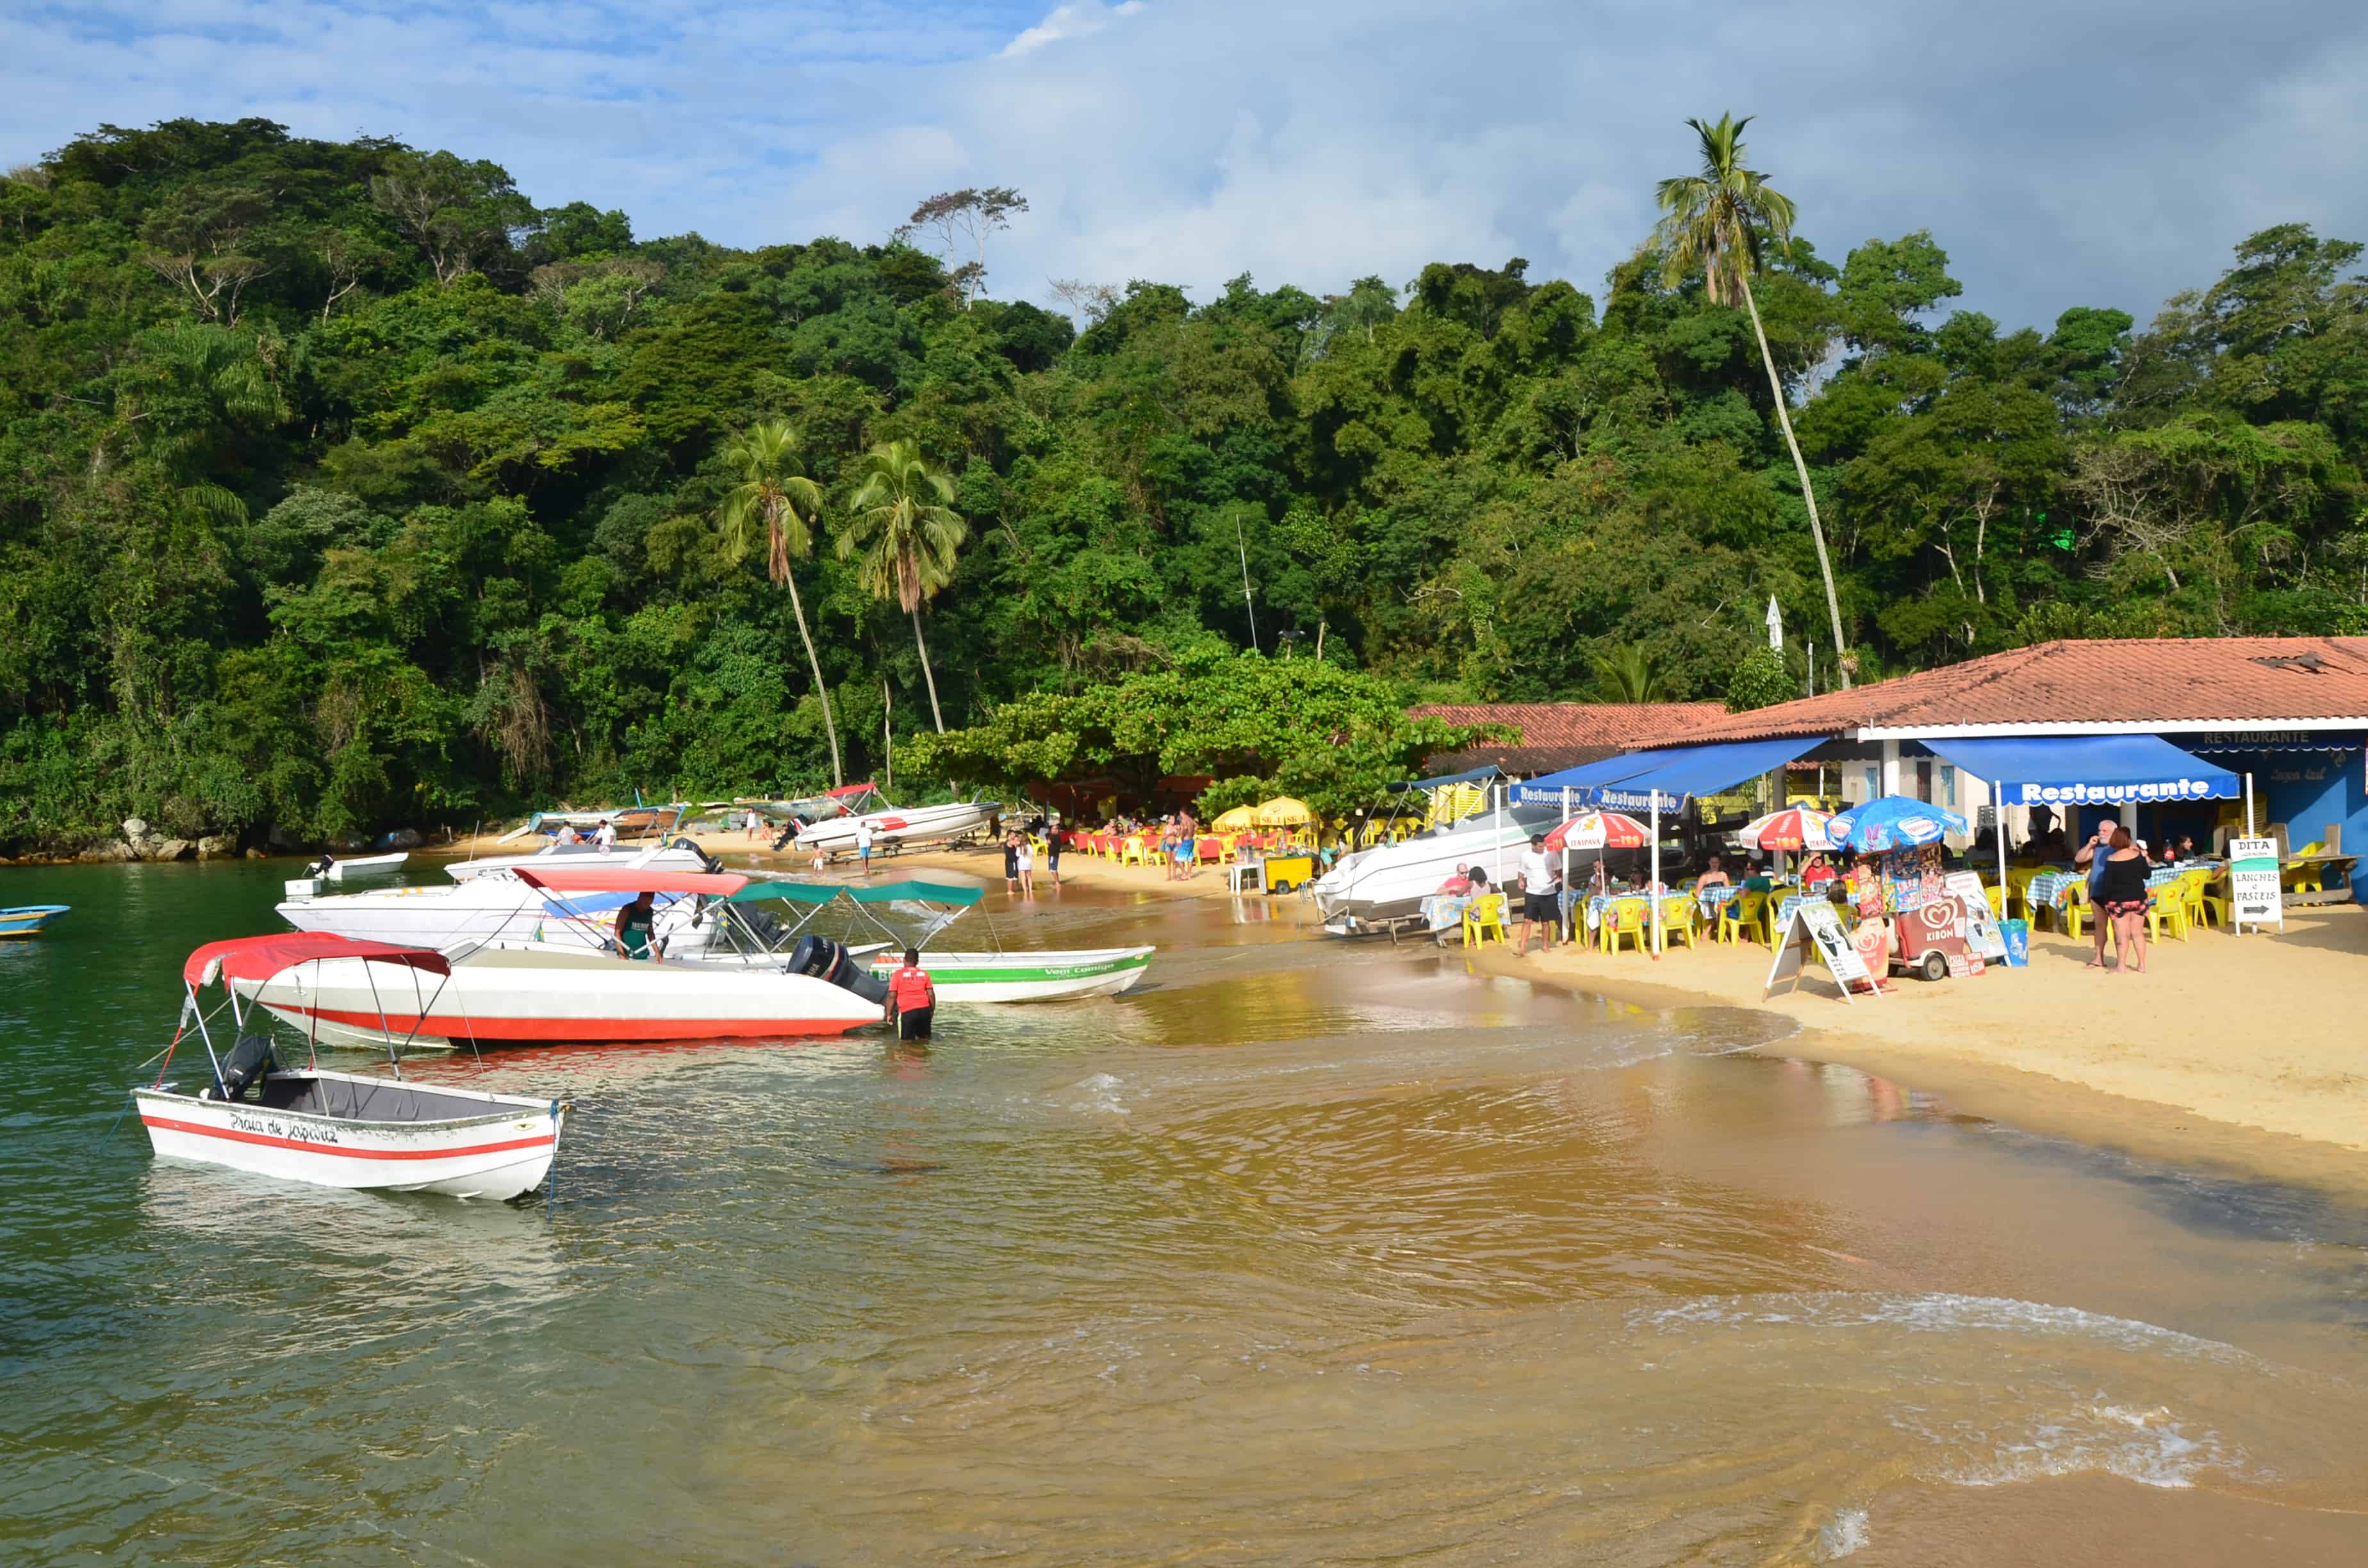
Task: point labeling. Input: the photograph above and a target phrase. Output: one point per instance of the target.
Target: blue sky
(2104, 152)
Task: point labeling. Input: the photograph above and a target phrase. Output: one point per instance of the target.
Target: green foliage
(1759, 680)
(341, 488)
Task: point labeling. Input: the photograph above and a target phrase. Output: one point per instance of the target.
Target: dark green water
(1305, 1254)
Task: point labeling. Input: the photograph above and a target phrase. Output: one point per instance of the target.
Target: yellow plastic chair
(2078, 911)
(1740, 914)
(1131, 854)
(1677, 919)
(1483, 915)
(1996, 895)
(2210, 907)
(1624, 918)
(2169, 910)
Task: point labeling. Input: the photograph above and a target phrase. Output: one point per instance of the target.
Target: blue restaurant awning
(2102, 770)
(1629, 783)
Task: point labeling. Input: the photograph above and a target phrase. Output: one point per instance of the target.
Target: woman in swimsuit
(2122, 898)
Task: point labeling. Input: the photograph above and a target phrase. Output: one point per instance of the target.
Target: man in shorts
(1540, 882)
(863, 845)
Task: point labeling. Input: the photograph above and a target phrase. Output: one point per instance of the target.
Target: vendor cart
(1289, 870)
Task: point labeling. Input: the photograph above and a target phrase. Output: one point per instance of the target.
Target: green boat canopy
(863, 892)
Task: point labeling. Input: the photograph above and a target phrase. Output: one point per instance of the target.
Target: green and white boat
(735, 933)
(1025, 976)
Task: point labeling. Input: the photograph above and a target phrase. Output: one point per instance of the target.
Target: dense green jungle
(344, 488)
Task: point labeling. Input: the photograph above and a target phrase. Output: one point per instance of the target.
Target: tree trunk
(935, 717)
(1817, 528)
(829, 725)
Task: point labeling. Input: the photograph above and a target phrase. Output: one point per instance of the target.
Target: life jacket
(910, 989)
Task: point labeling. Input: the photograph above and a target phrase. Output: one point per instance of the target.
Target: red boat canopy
(722, 885)
(846, 789)
(260, 958)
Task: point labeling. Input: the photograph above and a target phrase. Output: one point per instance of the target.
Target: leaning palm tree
(772, 495)
(908, 536)
(1713, 220)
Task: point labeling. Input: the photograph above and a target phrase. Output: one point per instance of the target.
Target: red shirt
(910, 989)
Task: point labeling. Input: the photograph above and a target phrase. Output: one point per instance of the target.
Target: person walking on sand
(2125, 898)
(1539, 882)
(1052, 846)
(1027, 867)
(1012, 865)
(863, 845)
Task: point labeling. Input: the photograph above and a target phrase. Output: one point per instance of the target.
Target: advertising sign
(2255, 898)
(1976, 923)
(1817, 927)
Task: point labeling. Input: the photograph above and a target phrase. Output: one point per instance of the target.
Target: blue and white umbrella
(1894, 821)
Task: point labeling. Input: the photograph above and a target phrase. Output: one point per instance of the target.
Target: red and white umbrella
(1796, 827)
(1599, 830)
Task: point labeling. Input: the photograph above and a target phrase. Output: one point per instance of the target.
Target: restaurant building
(2290, 714)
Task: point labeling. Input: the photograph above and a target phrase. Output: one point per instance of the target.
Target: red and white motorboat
(548, 991)
(344, 1130)
(899, 827)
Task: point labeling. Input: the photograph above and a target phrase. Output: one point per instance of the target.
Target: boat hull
(1388, 882)
(535, 994)
(28, 920)
(490, 909)
(340, 869)
(891, 828)
(577, 857)
(504, 1153)
(1027, 976)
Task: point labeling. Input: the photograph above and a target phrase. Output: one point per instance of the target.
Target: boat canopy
(259, 958)
(1630, 783)
(910, 891)
(1447, 780)
(2090, 769)
(611, 879)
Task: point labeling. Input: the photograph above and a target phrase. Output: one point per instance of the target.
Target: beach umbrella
(1796, 827)
(1284, 812)
(1599, 830)
(1894, 821)
(1237, 820)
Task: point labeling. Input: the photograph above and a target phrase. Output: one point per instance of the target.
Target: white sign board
(1817, 926)
(2254, 896)
(1975, 922)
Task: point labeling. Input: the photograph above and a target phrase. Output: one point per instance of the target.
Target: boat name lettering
(272, 1127)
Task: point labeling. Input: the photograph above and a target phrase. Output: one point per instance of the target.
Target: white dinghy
(346, 1129)
(363, 865)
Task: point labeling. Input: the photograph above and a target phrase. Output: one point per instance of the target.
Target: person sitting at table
(1817, 872)
(1712, 876)
(1457, 885)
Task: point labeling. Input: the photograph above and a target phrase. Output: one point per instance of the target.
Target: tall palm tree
(774, 497)
(908, 533)
(1713, 220)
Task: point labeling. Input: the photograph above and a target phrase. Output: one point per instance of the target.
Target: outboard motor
(248, 1061)
(826, 959)
(707, 862)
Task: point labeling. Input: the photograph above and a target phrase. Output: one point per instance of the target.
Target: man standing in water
(912, 998)
(1539, 880)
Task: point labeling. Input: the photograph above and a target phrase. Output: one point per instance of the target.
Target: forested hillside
(342, 487)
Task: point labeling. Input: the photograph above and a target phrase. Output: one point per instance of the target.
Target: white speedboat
(680, 856)
(365, 866)
(540, 994)
(346, 1129)
(899, 826)
(1391, 879)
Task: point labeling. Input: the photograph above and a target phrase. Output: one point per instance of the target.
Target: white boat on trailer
(344, 1130)
(1368, 888)
(899, 827)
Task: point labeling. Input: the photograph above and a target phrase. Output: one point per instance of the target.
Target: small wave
(2152, 1448)
(1841, 1536)
(1100, 1092)
(1938, 1313)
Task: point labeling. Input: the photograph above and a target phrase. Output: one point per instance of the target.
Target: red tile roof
(2188, 682)
(1621, 726)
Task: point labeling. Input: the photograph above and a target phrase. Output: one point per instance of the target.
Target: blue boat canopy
(1675, 773)
(2106, 771)
(1473, 776)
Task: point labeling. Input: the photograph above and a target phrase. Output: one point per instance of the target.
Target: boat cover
(260, 958)
(914, 890)
(611, 879)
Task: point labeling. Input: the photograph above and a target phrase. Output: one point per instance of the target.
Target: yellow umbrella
(1235, 820)
(1284, 812)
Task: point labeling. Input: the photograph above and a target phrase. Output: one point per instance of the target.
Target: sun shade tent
(819, 893)
(2089, 770)
(257, 959)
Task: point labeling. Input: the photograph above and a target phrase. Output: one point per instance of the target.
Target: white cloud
(2105, 152)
